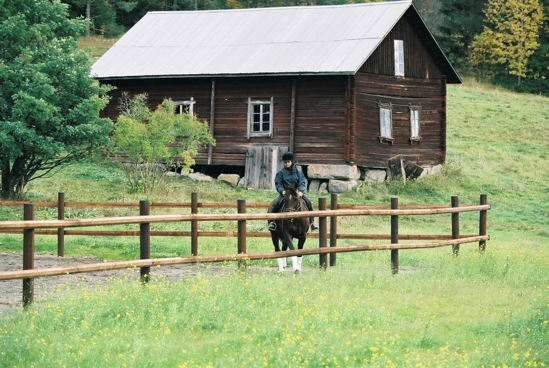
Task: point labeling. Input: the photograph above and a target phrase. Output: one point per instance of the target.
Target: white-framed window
(260, 118)
(399, 58)
(415, 123)
(185, 106)
(385, 122)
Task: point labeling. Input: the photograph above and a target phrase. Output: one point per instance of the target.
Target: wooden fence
(28, 227)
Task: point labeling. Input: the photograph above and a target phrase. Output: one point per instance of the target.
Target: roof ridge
(315, 7)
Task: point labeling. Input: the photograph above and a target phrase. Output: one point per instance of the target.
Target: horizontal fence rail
(107, 266)
(30, 227)
(227, 217)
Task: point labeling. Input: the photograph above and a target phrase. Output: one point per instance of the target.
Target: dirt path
(11, 291)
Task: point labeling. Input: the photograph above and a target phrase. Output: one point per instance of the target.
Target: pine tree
(462, 21)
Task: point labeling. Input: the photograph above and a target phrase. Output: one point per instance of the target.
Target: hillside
(486, 309)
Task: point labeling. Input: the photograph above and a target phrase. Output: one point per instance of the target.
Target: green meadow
(486, 309)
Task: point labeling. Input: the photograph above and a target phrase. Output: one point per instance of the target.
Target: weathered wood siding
(262, 164)
(159, 89)
(370, 152)
(319, 117)
(336, 117)
(320, 120)
(424, 86)
(231, 114)
(417, 61)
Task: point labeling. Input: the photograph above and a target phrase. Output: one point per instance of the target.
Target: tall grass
(346, 317)
(476, 310)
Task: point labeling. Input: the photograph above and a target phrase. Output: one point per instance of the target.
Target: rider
(293, 177)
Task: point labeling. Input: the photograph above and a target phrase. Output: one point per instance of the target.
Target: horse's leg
(282, 261)
(300, 244)
(282, 264)
(276, 244)
(288, 243)
(295, 259)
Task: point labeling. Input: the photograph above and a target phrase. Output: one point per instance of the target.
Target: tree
(154, 140)
(431, 12)
(49, 106)
(101, 15)
(509, 37)
(462, 20)
(537, 81)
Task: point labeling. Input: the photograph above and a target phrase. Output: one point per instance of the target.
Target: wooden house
(340, 85)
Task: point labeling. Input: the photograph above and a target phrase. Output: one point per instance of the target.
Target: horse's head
(292, 201)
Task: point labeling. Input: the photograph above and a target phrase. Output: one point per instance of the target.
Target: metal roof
(261, 41)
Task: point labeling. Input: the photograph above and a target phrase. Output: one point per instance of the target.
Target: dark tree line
(454, 23)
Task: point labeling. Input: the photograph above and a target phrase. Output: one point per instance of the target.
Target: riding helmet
(288, 156)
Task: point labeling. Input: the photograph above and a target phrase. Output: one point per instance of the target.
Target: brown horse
(291, 228)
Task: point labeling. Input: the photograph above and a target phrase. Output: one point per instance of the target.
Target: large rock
(314, 186)
(432, 170)
(232, 179)
(338, 172)
(323, 188)
(243, 182)
(375, 176)
(341, 186)
(201, 177)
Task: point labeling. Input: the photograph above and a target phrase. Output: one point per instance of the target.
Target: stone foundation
(324, 179)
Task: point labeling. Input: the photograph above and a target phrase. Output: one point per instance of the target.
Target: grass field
(476, 310)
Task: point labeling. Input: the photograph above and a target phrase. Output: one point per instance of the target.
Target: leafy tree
(509, 38)
(49, 107)
(152, 140)
(537, 81)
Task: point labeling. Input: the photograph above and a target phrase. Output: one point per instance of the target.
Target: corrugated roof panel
(291, 40)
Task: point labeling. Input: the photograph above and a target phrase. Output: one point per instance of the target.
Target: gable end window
(399, 58)
(385, 122)
(260, 118)
(415, 124)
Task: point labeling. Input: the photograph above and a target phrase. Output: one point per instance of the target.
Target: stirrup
(314, 227)
(272, 226)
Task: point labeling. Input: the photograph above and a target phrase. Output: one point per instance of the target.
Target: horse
(290, 228)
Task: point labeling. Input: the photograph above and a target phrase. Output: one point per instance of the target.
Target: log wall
(336, 117)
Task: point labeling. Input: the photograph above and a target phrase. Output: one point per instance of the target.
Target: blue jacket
(291, 177)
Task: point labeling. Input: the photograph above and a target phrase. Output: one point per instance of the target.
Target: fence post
(455, 226)
(333, 229)
(194, 225)
(145, 240)
(322, 233)
(394, 236)
(60, 230)
(241, 205)
(28, 255)
(482, 222)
